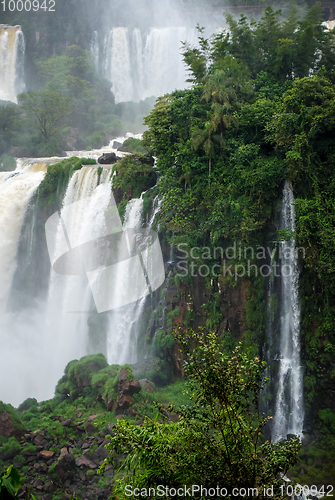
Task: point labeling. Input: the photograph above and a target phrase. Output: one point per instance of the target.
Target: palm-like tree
(203, 137)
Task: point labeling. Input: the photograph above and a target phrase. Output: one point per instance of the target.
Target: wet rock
(67, 422)
(108, 159)
(123, 403)
(117, 144)
(100, 453)
(63, 452)
(92, 417)
(84, 461)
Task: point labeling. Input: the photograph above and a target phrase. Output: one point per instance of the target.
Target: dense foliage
(216, 441)
(72, 108)
(261, 110)
(10, 482)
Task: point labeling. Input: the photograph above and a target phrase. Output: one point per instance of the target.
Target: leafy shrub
(327, 421)
(133, 145)
(162, 344)
(135, 174)
(11, 448)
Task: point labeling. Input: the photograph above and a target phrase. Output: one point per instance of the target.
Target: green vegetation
(134, 174)
(133, 145)
(52, 189)
(15, 419)
(11, 448)
(10, 482)
(222, 420)
(260, 111)
(74, 109)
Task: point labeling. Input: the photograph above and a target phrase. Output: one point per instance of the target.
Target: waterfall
(137, 64)
(289, 412)
(70, 302)
(164, 68)
(143, 66)
(38, 341)
(95, 50)
(12, 48)
(16, 191)
(117, 64)
(123, 322)
(125, 325)
(49, 317)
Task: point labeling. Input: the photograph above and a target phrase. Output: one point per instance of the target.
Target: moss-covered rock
(10, 423)
(52, 189)
(133, 175)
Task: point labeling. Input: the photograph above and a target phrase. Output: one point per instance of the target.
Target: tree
(217, 442)
(50, 110)
(9, 125)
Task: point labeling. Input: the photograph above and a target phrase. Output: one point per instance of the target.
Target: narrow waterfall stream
(122, 322)
(12, 48)
(289, 411)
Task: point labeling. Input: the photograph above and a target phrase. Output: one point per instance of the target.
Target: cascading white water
(122, 328)
(16, 190)
(38, 342)
(141, 67)
(40, 336)
(289, 411)
(12, 49)
(117, 64)
(164, 68)
(137, 64)
(70, 300)
(125, 322)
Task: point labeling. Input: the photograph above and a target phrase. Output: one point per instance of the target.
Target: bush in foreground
(217, 441)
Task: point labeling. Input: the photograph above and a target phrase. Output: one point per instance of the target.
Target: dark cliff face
(190, 304)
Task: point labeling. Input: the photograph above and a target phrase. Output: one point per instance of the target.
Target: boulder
(101, 453)
(66, 463)
(126, 386)
(84, 461)
(147, 385)
(108, 159)
(10, 424)
(123, 403)
(117, 144)
(89, 427)
(47, 454)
